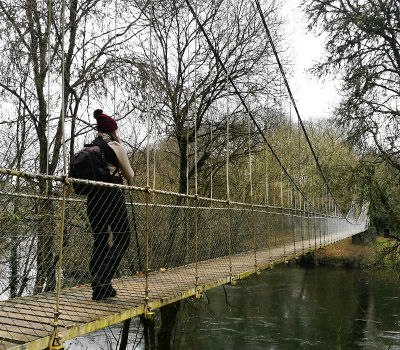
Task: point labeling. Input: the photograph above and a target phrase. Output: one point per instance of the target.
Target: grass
(344, 253)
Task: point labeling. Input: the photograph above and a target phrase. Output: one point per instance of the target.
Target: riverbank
(346, 254)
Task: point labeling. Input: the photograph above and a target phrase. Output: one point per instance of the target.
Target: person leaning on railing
(106, 209)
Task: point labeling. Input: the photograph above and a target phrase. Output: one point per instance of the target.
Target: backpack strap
(109, 153)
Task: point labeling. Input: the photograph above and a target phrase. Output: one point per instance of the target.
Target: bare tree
(189, 88)
(363, 50)
(32, 63)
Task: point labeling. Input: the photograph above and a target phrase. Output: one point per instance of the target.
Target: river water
(289, 307)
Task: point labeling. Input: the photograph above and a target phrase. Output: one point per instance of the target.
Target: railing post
(314, 230)
(228, 216)
(283, 234)
(147, 310)
(319, 231)
(308, 225)
(55, 338)
(301, 230)
(256, 269)
(271, 264)
(196, 213)
(292, 218)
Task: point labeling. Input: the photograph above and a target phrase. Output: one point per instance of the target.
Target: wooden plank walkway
(25, 322)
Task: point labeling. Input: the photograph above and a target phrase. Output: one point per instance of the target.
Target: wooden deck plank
(65, 316)
(69, 305)
(42, 326)
(24, 323)
(17, 336)
(84, 298)
(71, 300)
(17, 317)
(28, 319)
(5, 345)
(23, 331)
(49, 308)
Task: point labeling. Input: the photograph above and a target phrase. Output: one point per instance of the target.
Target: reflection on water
(108, 338)
(290, 308)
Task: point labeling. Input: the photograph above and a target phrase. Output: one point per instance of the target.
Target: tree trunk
(125, 334)
(169, 316)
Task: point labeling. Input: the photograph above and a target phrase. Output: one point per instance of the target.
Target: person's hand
(120, 174)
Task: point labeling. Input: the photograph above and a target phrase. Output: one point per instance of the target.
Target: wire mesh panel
(170, 231)
(170, 244)
(212, 237)
(78, 242)
(29, 231)
(29, 247)
(242, 237)
(275, 230)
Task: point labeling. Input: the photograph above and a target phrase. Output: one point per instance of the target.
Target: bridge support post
(125, 334)
(169, 320)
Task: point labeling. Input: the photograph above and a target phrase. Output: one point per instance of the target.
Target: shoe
(102, 291)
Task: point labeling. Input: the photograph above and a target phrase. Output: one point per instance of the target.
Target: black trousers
(106, 209)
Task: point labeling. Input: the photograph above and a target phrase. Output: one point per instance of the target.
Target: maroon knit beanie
(104, 122)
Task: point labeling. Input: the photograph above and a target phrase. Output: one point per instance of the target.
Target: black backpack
(91, 164)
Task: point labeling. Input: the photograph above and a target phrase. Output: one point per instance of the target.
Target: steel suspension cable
(291, 196)
(266, 199)
(187, 98)
(249, 152)
(195, 102)
(156, 130)
(148, 313)
(154, 152)
(195, 114)
(186, 125)
(251, 183)
(228, 201)
(211, 160)
(55, 338)
(300, 179)
(291, 95)
(48, 89)
(227, 128)
(115, 61)
(266, 110)
(281, 176)
(238, 93)
(149, 104)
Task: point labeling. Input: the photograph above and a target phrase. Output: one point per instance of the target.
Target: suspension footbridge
(231, 241)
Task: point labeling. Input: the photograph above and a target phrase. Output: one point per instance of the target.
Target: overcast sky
(314, 98)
